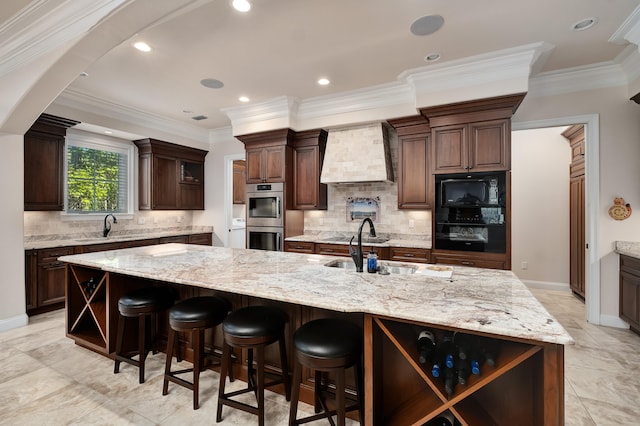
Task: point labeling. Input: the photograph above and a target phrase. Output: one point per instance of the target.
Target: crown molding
(276, 113)
(43, 26)
(618, 72)
(84, 102)
(629, 31)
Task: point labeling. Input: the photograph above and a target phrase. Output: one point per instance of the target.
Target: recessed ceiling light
(108, 132)
(84, 74)
(142, 46)
(187, 111)
(426, 25)
(584, 24)
(212, 83)
(432, 57)
(243, 99)
(241, 5)
(323, 81)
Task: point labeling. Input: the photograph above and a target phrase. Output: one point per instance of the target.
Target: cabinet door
(254, 165)
(239, 182)
(450, 148)
(489, 146)
(31, 278)
(43, 171)
(309, 193)
(164, 187)
(576, 235)
(51, 283)
(274, 168)
(414, 176)
(191, 197)
(630, 298)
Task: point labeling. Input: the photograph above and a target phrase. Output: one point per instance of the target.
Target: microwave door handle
(279, 210)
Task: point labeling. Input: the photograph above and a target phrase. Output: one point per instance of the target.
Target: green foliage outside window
(94, 180)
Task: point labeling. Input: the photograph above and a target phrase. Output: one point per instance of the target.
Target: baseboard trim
(613, 321)
(547, 285)
(14, 322)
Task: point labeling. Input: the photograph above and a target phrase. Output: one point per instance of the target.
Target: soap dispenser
(372, 262)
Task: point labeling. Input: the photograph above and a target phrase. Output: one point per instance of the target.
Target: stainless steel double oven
(265, 216)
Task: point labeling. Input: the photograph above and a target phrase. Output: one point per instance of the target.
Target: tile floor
(44, 380)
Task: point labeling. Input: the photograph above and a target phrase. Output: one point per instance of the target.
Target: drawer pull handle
(466, 262)
(408, 254)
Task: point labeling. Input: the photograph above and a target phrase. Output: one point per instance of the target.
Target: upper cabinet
(308, 155)
(44, 163)
(170, 176)
(415, 180)
(239, 181)
(472, 136)
(268, 154)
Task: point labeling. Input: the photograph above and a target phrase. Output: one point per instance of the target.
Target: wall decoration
(619, 210)
(359, 208)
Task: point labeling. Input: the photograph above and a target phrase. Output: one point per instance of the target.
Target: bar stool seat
(194, 316)
(331, 345)
(253, 328)
(142, 303)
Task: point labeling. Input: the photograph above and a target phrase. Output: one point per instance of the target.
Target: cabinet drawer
(405, 254)
(299, 246)
(52, 254)
(202, 239)
(475, 262)
(630, 265)
(332, 249)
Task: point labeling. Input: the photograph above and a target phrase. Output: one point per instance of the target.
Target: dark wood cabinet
(299, 247)
(415, 180)
(472, 136)
(170, 176)
(44, 279)
(409, 254)
(308, 155)
(269, 155)
(45, 275)
(473, 259)
(44, 163)
(577, 239)
(239, 181)
(630, 291)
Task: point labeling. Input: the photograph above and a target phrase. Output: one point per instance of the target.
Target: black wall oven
(265, 216)
(470, 212)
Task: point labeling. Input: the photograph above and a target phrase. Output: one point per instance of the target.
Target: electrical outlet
(321, 220)
(412, 224)
(155, 220)
(141, 221)
(524, 264)
(179, 219)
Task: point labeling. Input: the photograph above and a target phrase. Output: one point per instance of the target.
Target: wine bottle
(444, 419)
(426, 346)
(489, 351)
(463, 370)
(450, 380)
(448, 349)
(464, 343)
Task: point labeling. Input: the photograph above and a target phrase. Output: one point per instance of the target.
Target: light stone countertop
(628, 248)
(485, 300)
(67, 240)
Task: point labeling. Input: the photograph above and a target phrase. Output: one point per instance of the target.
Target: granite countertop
(628, 248)
(56, 240)
(392, 241)
(484, 300)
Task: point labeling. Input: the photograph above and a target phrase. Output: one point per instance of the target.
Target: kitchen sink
(383, 266)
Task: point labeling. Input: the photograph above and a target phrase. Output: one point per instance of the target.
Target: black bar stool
(252, 328)
(194, 316)
(142, 304)
(331, 345)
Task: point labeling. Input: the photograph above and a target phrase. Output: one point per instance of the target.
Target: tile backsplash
(53, 223)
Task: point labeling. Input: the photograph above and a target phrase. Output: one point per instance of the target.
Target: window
(99, 174)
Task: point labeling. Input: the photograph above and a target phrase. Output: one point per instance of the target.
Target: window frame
(90, 140)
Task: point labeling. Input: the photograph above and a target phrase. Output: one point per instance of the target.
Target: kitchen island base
(526, 386)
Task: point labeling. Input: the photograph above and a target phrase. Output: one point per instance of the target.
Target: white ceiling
(281, 48)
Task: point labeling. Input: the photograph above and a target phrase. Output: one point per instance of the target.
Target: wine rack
(87, 306)
(406, 393)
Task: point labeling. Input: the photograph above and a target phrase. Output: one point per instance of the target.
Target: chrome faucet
(106, 229)
(357, 255)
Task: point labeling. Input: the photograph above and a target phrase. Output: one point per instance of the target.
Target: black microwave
(471, 192)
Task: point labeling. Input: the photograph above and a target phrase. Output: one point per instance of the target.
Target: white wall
(540, 161)
(12, 302)
(619, 169)
(222, 144)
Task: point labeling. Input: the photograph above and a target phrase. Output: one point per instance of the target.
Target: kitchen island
(525, 387)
